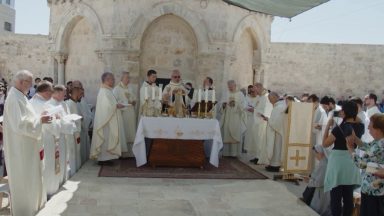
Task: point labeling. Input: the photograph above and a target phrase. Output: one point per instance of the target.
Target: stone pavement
(86, 194)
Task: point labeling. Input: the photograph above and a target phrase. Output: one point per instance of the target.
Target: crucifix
(297, 158)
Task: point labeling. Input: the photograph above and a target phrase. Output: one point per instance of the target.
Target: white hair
(231, 82)
(22, 75)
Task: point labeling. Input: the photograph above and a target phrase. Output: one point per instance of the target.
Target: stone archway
(169, 43)
(76, 45)
(246, 56)
(249, 30)
(82, 62)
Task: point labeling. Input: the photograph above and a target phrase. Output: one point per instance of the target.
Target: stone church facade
(89, 37)
(200, 38)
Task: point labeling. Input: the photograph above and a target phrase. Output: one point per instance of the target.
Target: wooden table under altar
(177, 141)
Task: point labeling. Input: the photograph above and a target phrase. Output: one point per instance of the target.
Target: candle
(206, 96)
(199, 96)
(146, 93)
(213, 96)
(153, 92)
(160, 93)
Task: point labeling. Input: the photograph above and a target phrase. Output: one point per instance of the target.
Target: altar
(180, 132)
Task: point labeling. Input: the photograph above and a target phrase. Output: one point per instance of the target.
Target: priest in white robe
(276, 131)
(108, 130)
(22, 129)
(233, 120)
(50, 138)
(257, 146)
(67, 129)
(125, 95)
(73, 147)
(149, 103)
(170, 91)
(86, 113)
(319, 121)
(251, 100)
(370, 102)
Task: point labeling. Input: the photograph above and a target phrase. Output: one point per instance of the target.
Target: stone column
(61, 59)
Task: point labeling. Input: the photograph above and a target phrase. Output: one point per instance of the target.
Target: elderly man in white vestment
(258, 146)
(276, 132)
(22, 132)
(50, 137)
(67, 129)
(74, 148)
(174, 86)
(149, 84)
(108, 139)
(125, 95)
(233, 120)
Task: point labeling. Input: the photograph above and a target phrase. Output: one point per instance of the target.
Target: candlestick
(213, 96)
(206, 109)
(206, 96)
(153, 92)
(198, 109)
(146, 93)
(160, 93)
(199, 96)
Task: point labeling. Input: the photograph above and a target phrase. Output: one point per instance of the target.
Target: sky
(337, 21)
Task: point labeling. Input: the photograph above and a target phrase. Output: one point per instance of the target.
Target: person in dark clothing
(342, 176)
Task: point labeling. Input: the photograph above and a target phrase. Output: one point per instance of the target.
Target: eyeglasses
(176, 77)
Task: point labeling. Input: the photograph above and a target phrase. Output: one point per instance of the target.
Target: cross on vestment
(297, 158)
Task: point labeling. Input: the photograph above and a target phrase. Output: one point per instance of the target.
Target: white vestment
(319, 118)
(277, 126)
(86, 123)
(66, 139)
(108, 130)
(175, 86)
(259, 145)
(50, 142)
(150, 104)
(248, 135)
(232, 123)
(22, 132)
(125, 95)
(74, 148)
(368, 114)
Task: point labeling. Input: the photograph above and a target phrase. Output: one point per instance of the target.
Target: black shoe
(254, 160)
(105, 163)
(272, 168)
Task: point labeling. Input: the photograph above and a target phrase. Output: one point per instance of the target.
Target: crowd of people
(50, 132)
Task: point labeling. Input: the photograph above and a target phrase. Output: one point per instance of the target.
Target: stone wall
(29, 52)
(335, 69)
(165, 35)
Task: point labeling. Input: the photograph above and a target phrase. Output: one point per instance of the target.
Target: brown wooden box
(177, 153)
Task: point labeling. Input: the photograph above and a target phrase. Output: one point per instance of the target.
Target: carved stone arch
(250, 25)
(71, 17)
(194, 19)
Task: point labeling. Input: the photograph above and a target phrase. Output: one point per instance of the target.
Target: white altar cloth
(177, 128)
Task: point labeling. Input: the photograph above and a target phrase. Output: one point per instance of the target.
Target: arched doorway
(247, 57)
(169, 43)
(83, 63)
